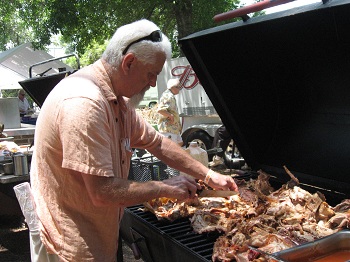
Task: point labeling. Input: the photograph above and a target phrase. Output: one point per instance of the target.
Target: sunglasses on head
(155, 36)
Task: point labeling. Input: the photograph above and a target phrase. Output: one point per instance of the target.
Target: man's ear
(128, 60)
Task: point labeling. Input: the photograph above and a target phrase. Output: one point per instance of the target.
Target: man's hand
(180, 187)
(223, 182)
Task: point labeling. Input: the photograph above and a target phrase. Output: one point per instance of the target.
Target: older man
(84, 135)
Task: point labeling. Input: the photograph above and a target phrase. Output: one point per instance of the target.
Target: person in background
(23, 103)
(169, 124)
(83, 144)
(222, 139)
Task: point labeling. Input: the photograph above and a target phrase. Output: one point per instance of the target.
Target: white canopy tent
(15, 64)
(9, 79)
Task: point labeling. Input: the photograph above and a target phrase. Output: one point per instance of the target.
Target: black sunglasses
(155, 36)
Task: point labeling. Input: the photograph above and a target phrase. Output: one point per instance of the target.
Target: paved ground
(14, 242)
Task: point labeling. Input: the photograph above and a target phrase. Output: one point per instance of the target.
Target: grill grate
(177, 236)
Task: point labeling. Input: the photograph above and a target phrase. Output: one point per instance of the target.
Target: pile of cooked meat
(261, 217)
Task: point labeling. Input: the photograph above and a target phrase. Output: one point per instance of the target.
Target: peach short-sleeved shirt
(82, 130)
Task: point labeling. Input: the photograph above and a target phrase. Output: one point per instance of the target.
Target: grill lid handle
(245, 10)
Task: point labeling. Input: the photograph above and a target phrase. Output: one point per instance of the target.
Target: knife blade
(216, 193)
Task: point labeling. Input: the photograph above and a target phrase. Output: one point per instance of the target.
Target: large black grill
(281, 88)
(175, 241)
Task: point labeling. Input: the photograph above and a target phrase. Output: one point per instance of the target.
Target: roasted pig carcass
(259, 217)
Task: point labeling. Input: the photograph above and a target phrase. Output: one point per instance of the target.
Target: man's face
(21, 96)
(144, 76)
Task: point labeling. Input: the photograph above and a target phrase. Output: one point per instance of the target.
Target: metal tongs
(275, 258)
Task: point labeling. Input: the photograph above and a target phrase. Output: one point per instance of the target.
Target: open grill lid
(39, 87)
(281, 85)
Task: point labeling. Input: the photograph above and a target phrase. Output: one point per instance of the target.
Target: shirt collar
(104, 82)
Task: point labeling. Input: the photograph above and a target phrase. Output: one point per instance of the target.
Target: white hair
(145, 51)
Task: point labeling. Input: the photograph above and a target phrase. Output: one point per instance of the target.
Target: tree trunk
(183, 14)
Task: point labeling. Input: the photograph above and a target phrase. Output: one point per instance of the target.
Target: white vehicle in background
(150, 98)
(198, 115)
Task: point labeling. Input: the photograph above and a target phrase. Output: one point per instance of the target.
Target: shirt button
(123, 161)
(116, 120)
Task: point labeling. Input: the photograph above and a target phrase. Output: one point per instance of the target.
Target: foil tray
(317, 249)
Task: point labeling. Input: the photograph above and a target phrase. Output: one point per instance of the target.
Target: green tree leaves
(84, 24)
